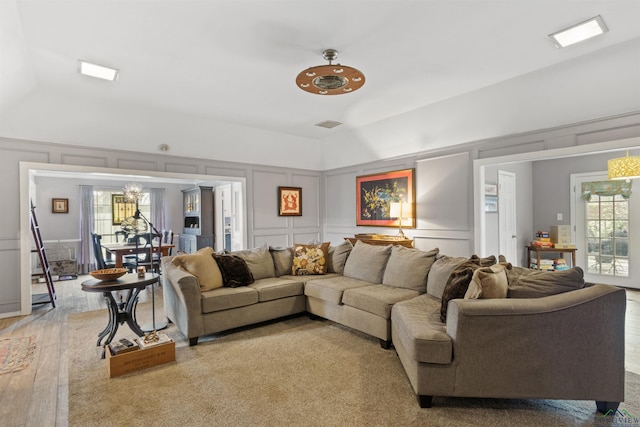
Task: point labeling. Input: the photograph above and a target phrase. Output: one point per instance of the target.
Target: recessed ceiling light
(98, 71)
(579, 32)
(329, 124)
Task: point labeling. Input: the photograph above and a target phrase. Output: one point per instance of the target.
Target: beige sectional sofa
(374, 279)
(552, 338)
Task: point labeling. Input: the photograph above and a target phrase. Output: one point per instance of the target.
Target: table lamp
(401, 211)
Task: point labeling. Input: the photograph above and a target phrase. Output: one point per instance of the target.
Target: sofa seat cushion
(377, 299)
(275, 288)
(416, 322)
(331, 289)
(226, 298)
(309, 277)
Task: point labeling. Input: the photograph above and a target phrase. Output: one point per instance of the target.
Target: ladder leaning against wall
(49, 297)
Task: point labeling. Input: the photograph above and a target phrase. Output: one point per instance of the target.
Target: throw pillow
(203, 266)
(483, 262)
(235, 271)
(489, 282)
(408, 268)
(310, 259)
(282, 260)
(367, 262)
(457, 284)
(259, 261)
(527, 283)
(338, 257)
(439, 274)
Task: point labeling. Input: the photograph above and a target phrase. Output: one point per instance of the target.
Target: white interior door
(507, 215)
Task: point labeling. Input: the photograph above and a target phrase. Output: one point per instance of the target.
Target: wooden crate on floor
(139, 359)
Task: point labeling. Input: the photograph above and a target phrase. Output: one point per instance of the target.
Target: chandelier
(624, 167)
(132, 192)
(133, 224)
(330, 79)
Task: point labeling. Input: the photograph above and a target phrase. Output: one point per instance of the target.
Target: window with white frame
(103, 211)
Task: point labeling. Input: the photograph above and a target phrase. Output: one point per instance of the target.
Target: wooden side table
(540, 250)
(381, 240)
(120, 312)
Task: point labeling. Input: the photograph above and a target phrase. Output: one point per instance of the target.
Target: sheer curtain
(156, 200)
(86, 260)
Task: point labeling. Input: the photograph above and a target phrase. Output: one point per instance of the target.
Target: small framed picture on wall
(289, 201)
(491, 204)
(491, 189)
(60, 205)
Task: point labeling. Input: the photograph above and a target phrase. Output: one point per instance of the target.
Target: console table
(381, 240)
(540, 250)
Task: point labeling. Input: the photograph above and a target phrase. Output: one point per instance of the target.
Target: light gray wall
(444, 186)
(66, 226)
(551, 191)
(263, 223)
(444, 183)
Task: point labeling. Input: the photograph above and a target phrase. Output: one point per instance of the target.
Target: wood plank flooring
(38, 395)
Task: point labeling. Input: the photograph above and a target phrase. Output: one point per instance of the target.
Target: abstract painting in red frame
(375, 192)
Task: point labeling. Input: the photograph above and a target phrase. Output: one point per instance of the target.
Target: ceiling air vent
(329, 124)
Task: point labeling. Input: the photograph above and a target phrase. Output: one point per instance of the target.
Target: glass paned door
(607, 231)
(603, 225)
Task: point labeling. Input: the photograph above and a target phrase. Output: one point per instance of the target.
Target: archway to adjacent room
(483, 241)
(28, 188)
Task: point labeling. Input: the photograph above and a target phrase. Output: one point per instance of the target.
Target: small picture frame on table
(289, 201)
(60, 205)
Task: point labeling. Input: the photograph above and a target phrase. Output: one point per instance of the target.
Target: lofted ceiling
(234, 62)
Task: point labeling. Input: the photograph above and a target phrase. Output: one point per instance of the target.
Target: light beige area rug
(16, 353)
(294, 372)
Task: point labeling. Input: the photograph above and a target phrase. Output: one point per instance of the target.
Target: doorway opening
(107, 176)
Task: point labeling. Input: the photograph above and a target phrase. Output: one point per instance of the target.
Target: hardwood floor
(38, 395)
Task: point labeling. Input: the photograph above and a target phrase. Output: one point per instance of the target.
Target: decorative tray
(109, 273)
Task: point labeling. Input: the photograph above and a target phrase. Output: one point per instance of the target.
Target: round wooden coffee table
(123, 311)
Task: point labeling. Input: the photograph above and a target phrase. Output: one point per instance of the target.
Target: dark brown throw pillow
(483, 262)
(458, 283)
(234, 269)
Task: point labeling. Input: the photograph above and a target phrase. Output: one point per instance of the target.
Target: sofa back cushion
(338, 257)
(367, 262)
(527, 283)
(282, 260)
(202, 265)
(439, 274)
(408, 268)
(259, 261)
(310, 259)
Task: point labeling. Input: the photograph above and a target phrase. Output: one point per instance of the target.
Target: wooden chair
(97, 253)
(144, 241)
